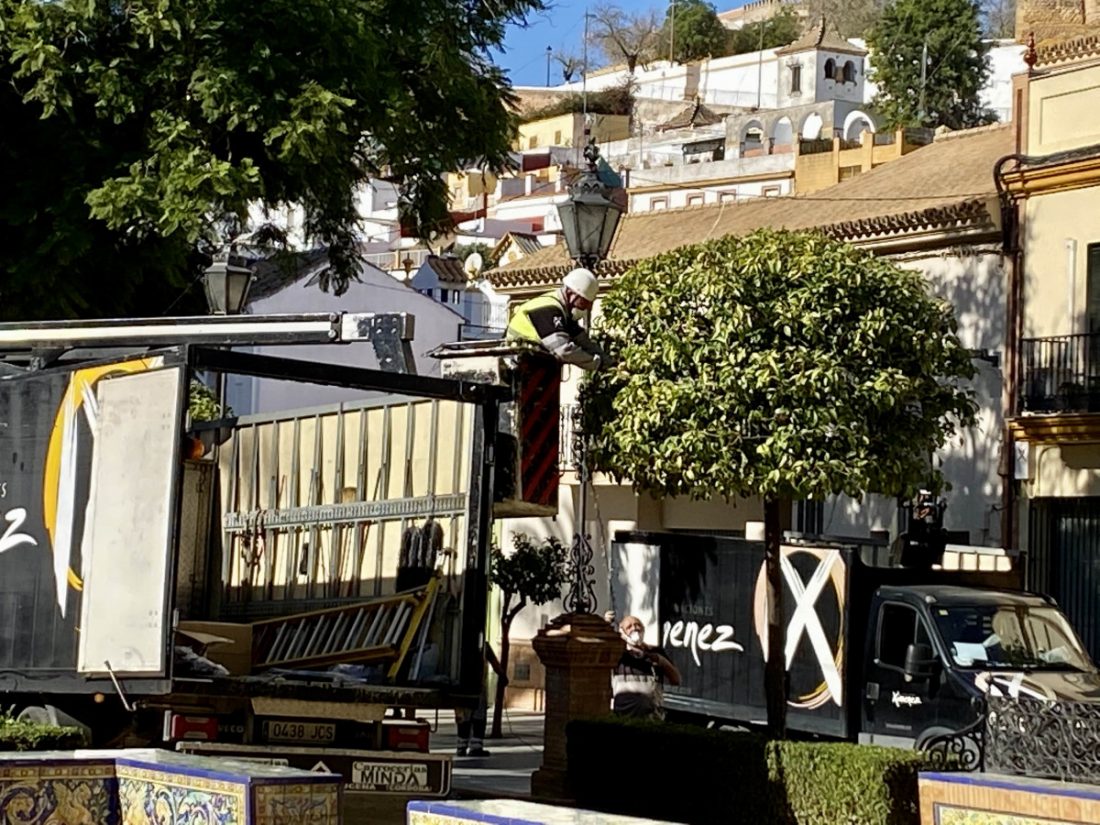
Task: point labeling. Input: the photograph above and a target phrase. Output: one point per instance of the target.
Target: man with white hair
(551, 320)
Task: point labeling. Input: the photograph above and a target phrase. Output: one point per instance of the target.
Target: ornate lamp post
(226, 283)
(589, 219)
(578, 649)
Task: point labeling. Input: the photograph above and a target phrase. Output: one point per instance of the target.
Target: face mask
(635, 638)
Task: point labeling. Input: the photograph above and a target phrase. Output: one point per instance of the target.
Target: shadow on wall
(972, 280)
(636, 570)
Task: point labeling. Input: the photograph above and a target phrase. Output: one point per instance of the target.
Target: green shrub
(616, 100)
(31, 736)
(689, 774)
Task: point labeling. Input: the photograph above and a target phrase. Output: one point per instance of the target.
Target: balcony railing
(568, 433)
(1060, 373)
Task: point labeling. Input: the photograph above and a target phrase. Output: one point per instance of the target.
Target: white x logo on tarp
(805, 619)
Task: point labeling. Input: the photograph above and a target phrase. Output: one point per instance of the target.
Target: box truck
(291, 586)
(876, 654)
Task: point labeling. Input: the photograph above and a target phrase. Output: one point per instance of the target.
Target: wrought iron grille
(1060, 373)
(1043, 739)
(960, 750)
(569, 429)
(573, 455)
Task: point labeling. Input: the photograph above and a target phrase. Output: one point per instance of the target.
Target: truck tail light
(405, 735)
(178, 727)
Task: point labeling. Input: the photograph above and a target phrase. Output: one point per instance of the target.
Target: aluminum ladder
(379, 630)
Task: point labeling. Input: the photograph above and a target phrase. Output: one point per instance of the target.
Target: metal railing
(569, 431)
(479, 332)
(816, 146)
(1043, 739)
(1022, 734)
(1060, 373)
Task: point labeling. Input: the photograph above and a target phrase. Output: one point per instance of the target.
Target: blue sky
(561, 27)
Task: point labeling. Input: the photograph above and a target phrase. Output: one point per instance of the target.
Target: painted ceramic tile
(427, 818)
(312, 804)
(149, 797)
(67, 794)
(949, 815)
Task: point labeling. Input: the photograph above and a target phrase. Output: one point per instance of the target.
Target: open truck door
(130, 519)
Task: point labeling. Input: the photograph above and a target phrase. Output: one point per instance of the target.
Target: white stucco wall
(375, 292)
(718, 193)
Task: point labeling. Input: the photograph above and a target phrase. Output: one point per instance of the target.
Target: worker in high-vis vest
(551, 320)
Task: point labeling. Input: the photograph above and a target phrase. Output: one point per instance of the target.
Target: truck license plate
(389, 777)
(309, 732)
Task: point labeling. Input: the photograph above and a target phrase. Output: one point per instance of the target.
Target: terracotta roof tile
(822, 36)
(938, 186)
(697, 114)
(448, 269)
(1080, 48)
(527, 243)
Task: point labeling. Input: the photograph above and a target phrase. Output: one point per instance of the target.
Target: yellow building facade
(1051, 197)
(568, 130)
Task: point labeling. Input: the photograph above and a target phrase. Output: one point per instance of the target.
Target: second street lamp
(589, 219)
(226, 283)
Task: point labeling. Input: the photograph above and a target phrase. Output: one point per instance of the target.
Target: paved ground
(506, 772)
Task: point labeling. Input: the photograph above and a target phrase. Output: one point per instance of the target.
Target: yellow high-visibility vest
(520, 326)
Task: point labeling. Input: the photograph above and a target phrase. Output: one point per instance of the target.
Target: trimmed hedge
(30, 736)
(693, 775)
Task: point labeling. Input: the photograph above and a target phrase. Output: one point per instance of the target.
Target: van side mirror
(919, 662)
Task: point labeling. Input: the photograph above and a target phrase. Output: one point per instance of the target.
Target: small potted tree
(211, 422)
(533, 573)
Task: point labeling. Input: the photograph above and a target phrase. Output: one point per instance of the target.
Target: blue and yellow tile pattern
(150, 787)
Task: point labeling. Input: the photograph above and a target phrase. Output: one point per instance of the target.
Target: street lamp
(589, 219)
(227, 283)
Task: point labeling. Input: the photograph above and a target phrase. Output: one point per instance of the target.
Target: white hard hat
(583, 282)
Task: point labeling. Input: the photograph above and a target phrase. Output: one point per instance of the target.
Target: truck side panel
(711, 611)
(46, 445)
(131, 518)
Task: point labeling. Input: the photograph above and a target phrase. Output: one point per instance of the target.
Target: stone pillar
(578, 651)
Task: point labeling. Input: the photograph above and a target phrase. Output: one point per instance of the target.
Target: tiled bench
(154, 787)
(511, 812)
(994, 799)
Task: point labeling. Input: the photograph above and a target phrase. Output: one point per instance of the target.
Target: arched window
(849, 72)
(830, 69)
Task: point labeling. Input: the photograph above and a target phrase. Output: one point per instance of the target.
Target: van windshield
(1012, 637)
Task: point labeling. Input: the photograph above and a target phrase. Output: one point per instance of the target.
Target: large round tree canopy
(779, 364)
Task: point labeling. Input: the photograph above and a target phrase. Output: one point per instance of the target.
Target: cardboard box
(234, 653)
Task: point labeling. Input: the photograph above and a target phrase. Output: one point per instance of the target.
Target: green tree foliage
(129, 126)
(533, 573)
(851, 18)
(694, 32)
(956, 69)
(781, 365)
(772, 33)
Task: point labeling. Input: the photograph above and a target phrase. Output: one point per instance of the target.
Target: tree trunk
(775, 672)
(498, 702)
